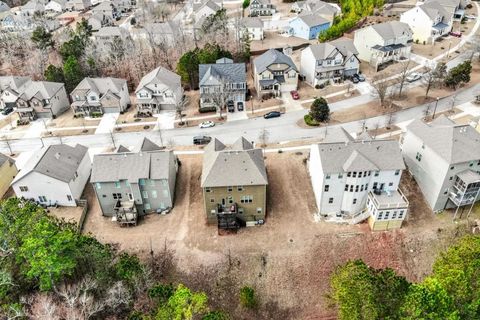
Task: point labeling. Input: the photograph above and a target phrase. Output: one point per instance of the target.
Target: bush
(417, 41)
(317, 86)
(310, 121)
(96, 114)
(207, 109)
(161, 292)
(128, 266)
(247, 297)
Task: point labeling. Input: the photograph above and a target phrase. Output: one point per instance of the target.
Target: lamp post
(435, 109)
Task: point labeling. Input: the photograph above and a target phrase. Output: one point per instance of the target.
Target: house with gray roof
(222, 82)
(54, 175)
(234, 184)
(78, 5)
(99, 20)
(455, 8)
(350, 177)
(107, 8)
(253, 26)
(33, 99)
(96, 96)
(108, 36)
(274, 73)
(329, 62)
(444, 159)
(384, 42)
(160, 89)
(324, 9)
(129, 184)
(202, 9)
(260, 8)
(4, 7)
(428, 22)
(308, 26)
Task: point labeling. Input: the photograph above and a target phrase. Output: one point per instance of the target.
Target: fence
(84, 204)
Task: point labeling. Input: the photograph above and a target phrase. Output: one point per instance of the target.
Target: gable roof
(4, 7)
(252, 22)
(101, 85)
(360, 156)
(13, 82)
(41, 90)
(322, 50)
(230, 72)
(5, 158)
(111, 32)
(312, 19)
(59, 161)
(160, 75)
(433, 9)
(209, 4)
(167, 27)
(148, 145)
(454, 143)
(345, 46)
(238, 165)
(391, 29)
(270, 57)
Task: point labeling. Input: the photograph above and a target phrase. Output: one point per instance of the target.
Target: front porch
(86, 110)
(26, 115)
(272, 87)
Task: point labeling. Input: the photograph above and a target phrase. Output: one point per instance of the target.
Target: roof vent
(57, 156)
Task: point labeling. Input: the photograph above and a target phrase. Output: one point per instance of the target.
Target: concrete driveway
(107, 124)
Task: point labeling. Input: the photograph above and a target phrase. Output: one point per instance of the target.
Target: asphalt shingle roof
(231, 72)
(270, 57)
(313, 19)
(160, 75)
(392, 29)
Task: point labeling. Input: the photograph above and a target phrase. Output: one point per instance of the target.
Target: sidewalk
(107, 124)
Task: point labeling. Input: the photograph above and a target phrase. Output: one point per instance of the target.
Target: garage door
(168, 107)
(111, 110)
(350, 72)
(44, 115)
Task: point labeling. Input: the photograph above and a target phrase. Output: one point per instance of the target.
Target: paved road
(280, 129)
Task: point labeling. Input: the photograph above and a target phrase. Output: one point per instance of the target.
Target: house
(30, 8)
(162, 32)
(274, 73)
(444, 159)
(159, 90)
(54, 175)
(13, 22)
(106, 37)
(384, 42)
(330, 61)
(8, 171)
(78, 5)
(308, 26)
(221, 82)
(99, 96)
(253, 26)
(108, 9)
(33, 99)
(56, 5)
(326, 10)
(354, 180)
(234, 184)
(203, 9)
(99, 20)
(138, 183)
(455, 8)
(124, 6)
(4, 7)
(428, 22)
(261, 8)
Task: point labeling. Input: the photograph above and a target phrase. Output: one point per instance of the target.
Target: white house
(344, 173)
(455, 8)
(254, 27)
(159, 90)
(56, 6)
(384, 42)
(261, 8)
(428, 22)
(78, 5)
(99, 20)
(444, 158)
(330, 61)
(54, 175)
(202, 10)
(4, 7)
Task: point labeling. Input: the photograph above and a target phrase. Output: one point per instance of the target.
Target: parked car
(455, 34)
(272, 114)
(7, 111)
(199, 140)
(471, 16)
(414, 76)
(355, 79)
(359, 77)
(206, 124)
(230, 106)
(295, 95)
(240, 106)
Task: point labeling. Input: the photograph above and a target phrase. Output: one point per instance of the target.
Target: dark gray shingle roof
(270, 57)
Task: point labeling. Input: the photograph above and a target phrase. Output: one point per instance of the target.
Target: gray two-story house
(261, 8)
(222, 82)
(131, 184)
(100, 95)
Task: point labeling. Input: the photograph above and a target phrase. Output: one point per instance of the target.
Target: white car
(414, 76)
(206, 124)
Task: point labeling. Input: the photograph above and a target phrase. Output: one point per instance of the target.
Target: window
(376, 173)
(356, 188)
(69, 197)
(394, 215)
(451, 178)
(117, 196)
(354, 174)
(147, 206)
(117, 185)
(400, 214)
(212, 200)
(361, 187)
(25, 188)
(349, 174)
(351, 188)
(369, 173)
(230, 199)
(380, 215)
(327, 176)
(327, 187)
(355, 201)
(346, 187)
(152, 183)
(229, 189)
(387, 214)
(360, 174)
(397, 172)
(208, 189)
(330, 200)
(240, 210)
(375, 185)
(145, 194)
(259, 210)
(246, 199)
(240, 188)
(470, 164)
(340, 175)
(366, 186)
(154, 194)
(42, 199)
(390, 184)
(142, 182)
(418, 156)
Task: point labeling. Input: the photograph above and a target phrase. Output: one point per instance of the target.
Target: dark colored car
(272, 114)
(455, 34)
(7, 110)
(360, 77)
(198, 140)
(230, 106)
(240, 106)
(355, 79)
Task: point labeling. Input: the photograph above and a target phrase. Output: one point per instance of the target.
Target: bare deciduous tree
(380, 85)
(263, 137)
(404, 72)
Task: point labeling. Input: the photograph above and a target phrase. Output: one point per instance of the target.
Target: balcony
(227, 217)
(125, 213)
(466, 188)
(388, 199)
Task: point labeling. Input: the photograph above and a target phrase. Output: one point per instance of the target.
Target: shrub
(417, 41)
(310, 121)
(161, 292)
(207, 109)
(317, 86)
(319, 110)
(96, 114)
(128, 266)
(247, 297)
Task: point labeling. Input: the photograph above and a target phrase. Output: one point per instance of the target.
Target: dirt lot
(436, 49)
(392, 69)
(129, 116)
(69, 214)
(66, 119)
(289, 259)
